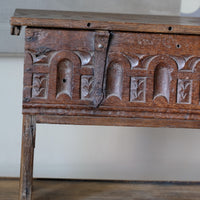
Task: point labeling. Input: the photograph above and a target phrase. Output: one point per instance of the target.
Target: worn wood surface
(103, 190)
(117, 121)
(27, 153)
(105, 21)
(124, 75)
(107, 69)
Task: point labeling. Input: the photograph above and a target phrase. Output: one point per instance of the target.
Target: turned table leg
(27, 154)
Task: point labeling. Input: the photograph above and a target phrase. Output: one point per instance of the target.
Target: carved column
(114, 83)
(64, 78)
(162, 79)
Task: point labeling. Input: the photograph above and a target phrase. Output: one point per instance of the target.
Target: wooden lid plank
(105, 21)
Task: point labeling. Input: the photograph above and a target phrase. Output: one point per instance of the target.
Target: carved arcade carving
(162, 76)
(149, 76)
(184, 63)
(42, 55)
(91, 89)
(67, 65)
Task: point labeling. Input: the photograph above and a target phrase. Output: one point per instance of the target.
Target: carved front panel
(161, 76)
(66, 59)
(97, 73)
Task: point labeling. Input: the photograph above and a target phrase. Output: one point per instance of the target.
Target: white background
(92, 152)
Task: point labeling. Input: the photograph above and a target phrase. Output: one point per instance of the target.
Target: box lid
(103, 21)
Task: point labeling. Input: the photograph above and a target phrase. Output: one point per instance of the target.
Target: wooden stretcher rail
(114, 121)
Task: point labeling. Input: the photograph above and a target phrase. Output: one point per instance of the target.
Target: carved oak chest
(107, 69)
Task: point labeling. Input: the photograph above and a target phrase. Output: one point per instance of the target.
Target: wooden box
(107, 69)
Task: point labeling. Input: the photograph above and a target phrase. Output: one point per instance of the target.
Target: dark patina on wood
(106, 69)
(125, 75)
(105, 21)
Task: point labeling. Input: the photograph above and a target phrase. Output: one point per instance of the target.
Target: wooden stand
(106, 69)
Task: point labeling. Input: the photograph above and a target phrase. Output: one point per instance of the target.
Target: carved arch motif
(184, 63)
(85, 57)
(40, 55)
(187, 63)
(64, 65)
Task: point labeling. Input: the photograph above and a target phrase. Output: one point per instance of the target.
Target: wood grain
(27, 153)
(107, 69)
(117, 121)
(104, 21)
(103, 190)
(133, 75)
